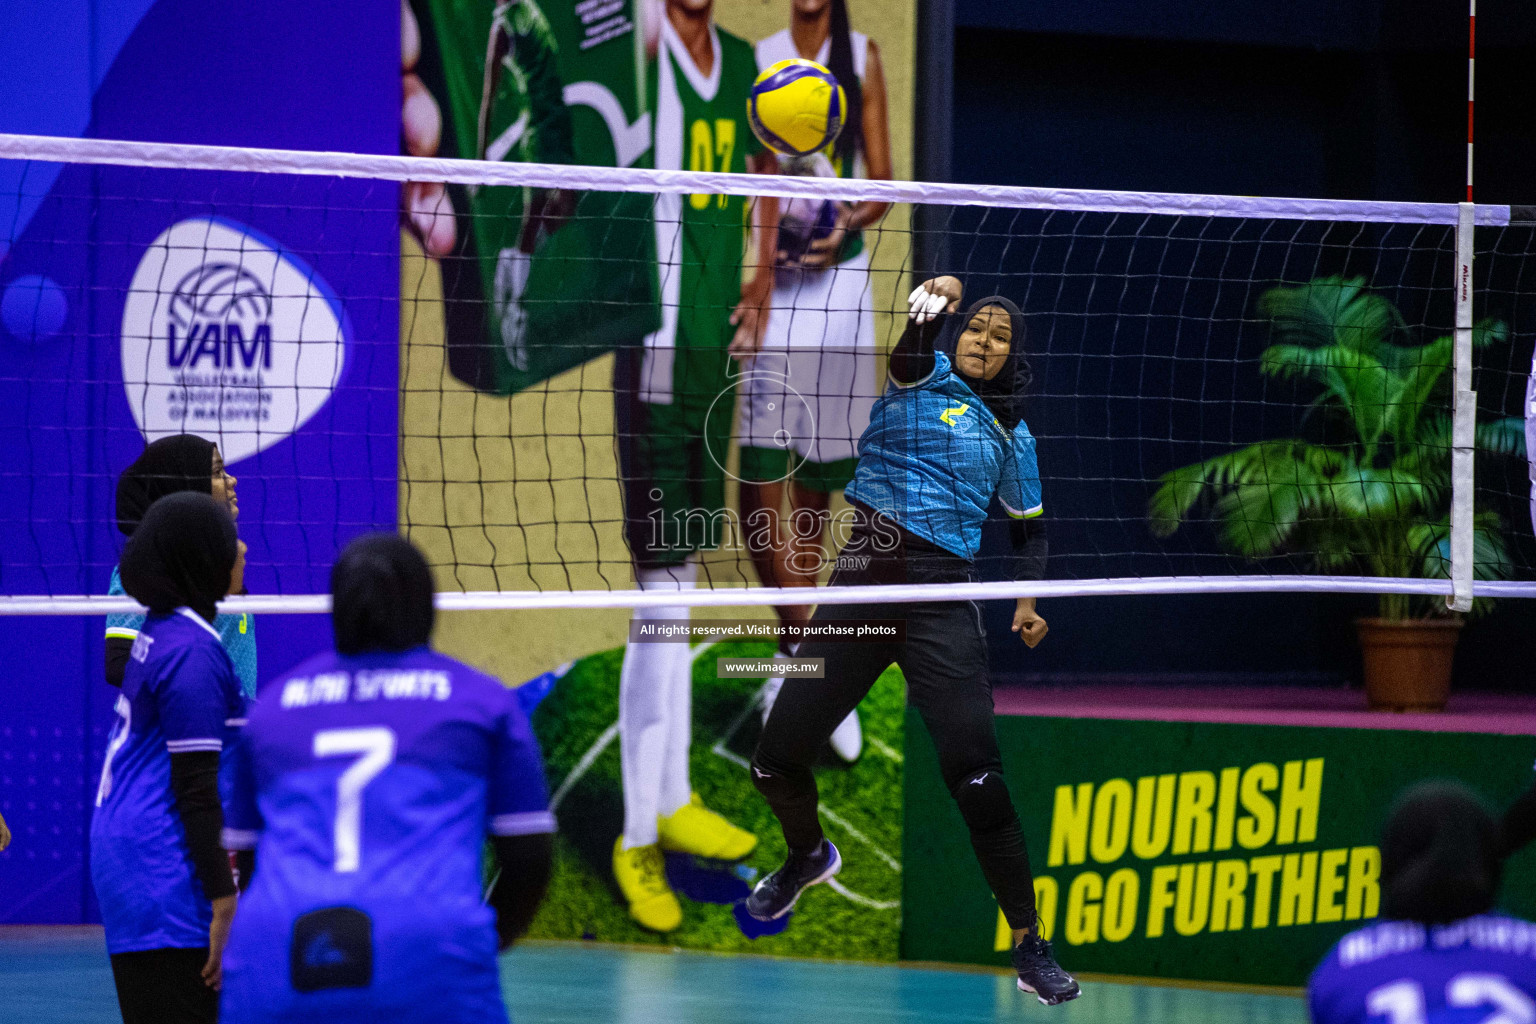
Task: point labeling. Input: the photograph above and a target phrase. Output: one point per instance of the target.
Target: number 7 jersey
(1481, 970)
(367, 786)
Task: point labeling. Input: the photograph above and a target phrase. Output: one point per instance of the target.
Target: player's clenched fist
(1028, 623)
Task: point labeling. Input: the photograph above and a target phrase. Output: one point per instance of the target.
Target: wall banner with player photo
(1214, 852)
(535, 281)
(568, 352)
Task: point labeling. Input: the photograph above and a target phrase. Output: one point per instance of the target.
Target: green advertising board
(1217, 852)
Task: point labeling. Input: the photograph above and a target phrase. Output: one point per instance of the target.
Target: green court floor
(59, 975)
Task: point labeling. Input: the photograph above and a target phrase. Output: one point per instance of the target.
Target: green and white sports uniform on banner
(541, 280)
(673, 399)
(676, 394)
(807, 393)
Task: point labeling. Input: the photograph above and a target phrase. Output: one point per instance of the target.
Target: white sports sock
(647, 712)
(676, 790)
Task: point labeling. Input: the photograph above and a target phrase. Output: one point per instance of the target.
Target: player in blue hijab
(946, 439)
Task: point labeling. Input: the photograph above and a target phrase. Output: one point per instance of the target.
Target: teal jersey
(236, 632)
(934, 456)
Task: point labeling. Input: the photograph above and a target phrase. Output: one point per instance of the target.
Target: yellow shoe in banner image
(694, 828)
(642, 878)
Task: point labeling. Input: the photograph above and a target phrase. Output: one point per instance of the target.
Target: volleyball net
(525, 369)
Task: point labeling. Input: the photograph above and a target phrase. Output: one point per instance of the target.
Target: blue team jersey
(369, 784)
(1399, 972)
(238, 633)
(179, 694)
(933, 456)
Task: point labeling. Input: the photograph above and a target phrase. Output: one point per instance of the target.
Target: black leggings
(164, 986)
(944, 658)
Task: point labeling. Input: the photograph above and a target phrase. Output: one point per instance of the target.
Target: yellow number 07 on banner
(703, 148)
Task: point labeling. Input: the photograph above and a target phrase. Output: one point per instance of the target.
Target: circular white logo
(228, 337)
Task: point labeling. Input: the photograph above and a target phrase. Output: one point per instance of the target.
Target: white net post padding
(1140, 223)
(1464, 419)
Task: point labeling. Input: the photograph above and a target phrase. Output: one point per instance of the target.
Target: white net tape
(1162, 289)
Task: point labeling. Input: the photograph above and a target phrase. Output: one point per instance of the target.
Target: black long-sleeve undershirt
(912, 358)
(1030, 549)
(118, 650)
(195, 786)
(526, 863)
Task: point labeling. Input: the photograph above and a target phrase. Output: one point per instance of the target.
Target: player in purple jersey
(167, 896)
(366, 783)
(1439, 955)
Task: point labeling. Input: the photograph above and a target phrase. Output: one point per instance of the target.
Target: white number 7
(376, 744)
(120, 732)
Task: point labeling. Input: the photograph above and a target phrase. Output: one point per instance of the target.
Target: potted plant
(1369, 490)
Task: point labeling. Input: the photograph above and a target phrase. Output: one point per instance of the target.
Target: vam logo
(227, 336)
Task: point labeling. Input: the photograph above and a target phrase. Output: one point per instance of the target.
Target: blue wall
(183, 71)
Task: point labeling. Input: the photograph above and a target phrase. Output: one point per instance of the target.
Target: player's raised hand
(1028, 623)
(934, 296)
(823, 251)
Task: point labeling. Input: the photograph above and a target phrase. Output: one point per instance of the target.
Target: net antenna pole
(1464, 421)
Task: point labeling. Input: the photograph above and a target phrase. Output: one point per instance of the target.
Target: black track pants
(164, 986)
(944, 659)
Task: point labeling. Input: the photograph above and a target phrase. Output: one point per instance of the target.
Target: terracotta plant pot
(1408, 662)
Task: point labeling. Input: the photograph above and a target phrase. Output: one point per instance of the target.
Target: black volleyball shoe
(1041, 974)
(776, 894)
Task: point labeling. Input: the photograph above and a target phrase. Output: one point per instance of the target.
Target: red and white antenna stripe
(1471, 66)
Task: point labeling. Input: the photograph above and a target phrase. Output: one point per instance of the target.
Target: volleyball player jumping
(945, 438)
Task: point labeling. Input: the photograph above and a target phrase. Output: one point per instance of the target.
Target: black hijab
(181, 555)
(381, 596)
(182, 462)
(1439, 856)
(1004, 393)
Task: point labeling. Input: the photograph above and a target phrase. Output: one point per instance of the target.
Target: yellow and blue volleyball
(796, 107)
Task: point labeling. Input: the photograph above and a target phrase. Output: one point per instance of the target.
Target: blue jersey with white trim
(370, 783)
(1401, 972)
(933, 456)
(179, 694)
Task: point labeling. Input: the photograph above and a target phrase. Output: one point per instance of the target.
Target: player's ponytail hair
(840, 63)
(1440, 857)
(381, 596)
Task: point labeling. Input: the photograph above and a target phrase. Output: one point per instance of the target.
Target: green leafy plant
(1374, 495)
